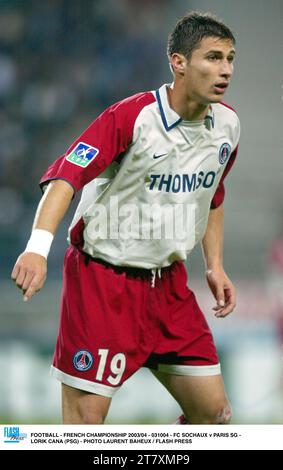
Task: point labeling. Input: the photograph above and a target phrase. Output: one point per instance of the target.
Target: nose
(226, 69)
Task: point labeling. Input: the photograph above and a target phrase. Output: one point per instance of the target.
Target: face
(209, 70)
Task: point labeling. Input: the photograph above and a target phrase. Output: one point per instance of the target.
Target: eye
(212, 57)
(231, 59)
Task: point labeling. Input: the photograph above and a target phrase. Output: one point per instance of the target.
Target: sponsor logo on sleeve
(82, 154)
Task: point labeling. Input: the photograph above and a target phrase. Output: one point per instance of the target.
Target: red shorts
(114, 321)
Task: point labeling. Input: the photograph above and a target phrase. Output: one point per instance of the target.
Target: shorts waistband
(130, 270)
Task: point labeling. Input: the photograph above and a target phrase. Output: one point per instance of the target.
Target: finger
(33, 288)
(222, 315)
(219, 313)
(29, 277)
(220, 297)
(217, 307)
(225, 311)
(40, 283)
(230, 295)
(20, 277)
(15, 272)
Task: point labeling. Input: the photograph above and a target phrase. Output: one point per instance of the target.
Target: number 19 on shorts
(83, 361)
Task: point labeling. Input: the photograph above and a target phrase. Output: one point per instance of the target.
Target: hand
(29, 273)
(223, 291)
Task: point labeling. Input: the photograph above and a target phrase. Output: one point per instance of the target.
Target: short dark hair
(192, 28)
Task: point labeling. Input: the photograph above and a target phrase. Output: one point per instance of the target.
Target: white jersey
(149, 179)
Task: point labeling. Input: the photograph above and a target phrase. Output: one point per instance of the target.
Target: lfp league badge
(82, 154)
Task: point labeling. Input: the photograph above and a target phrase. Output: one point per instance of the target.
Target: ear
(178, 63)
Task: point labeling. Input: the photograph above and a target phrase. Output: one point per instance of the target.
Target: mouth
(221, 87)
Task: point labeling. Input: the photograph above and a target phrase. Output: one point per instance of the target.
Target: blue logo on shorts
(83, 361)
(224, 153)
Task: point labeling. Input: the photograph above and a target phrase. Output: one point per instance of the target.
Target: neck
(187, 108)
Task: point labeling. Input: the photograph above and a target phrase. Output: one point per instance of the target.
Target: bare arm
(30, 270)
(218, 281)
(53, 205)
(212, 243)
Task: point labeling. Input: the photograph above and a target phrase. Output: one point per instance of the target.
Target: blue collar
(169, 117)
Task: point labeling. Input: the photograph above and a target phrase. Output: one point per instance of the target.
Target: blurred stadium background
(61, 63)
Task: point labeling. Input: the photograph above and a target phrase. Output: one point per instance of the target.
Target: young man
(125, 300)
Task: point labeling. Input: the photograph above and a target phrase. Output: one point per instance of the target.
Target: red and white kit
(125, 300)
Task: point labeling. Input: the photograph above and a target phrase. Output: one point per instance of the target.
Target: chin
(216, 98)
(209, 99)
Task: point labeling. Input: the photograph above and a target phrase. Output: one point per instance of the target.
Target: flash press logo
(13, 434)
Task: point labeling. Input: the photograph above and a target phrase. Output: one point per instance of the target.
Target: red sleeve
(219, 194)
(100, 144)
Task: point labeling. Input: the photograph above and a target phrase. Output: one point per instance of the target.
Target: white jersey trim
(190, 370)
(83, 384)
